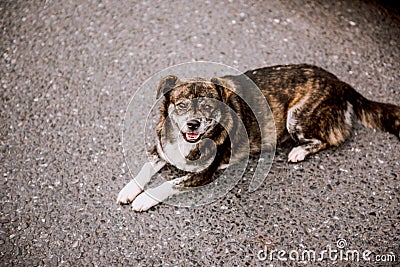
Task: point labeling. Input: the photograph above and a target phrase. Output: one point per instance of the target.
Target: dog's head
(195, 106)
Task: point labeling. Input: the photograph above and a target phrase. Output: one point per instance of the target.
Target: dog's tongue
(192, 136)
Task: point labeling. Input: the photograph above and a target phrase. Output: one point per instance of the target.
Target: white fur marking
(223, 166)
(176, 152)
(291, 122)
(297, 154)
(143, 202)
(153, 196)
(128, 193)
(349, 114)
(135, 186)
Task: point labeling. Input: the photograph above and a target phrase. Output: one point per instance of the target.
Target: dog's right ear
(165, 85)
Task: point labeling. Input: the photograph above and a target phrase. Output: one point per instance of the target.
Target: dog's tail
(375, 115)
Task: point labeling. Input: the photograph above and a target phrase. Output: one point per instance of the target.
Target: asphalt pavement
(68, 70)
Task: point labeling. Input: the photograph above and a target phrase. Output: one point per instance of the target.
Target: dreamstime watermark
(337, 253)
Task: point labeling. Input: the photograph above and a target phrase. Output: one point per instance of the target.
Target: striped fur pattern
(309, 105)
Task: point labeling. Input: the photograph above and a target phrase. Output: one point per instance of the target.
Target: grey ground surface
(68, 70)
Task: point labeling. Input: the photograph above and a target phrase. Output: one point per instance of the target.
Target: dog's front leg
(135, 186)
(153, 196)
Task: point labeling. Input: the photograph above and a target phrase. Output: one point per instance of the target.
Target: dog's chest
(181, 148)
(177, 153)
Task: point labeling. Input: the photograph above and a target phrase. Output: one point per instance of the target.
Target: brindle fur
(309, 105)
(323, 117)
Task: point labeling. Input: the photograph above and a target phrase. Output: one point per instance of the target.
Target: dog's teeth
(192, 136)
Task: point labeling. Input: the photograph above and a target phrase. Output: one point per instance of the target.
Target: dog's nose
(193, 124)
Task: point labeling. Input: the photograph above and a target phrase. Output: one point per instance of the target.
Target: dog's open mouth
(191, 137)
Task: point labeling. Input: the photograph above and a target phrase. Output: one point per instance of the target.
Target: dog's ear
(225, 88)
(165, 85)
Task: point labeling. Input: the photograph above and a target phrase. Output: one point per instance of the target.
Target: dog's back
(316, 108)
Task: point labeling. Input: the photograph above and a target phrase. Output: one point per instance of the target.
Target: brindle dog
(309, 105)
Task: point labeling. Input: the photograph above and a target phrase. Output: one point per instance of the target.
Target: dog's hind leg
(317, 125)
(297, 127)
(311, 146)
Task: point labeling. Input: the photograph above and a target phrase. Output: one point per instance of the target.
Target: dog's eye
(181, 106)
(207, 107)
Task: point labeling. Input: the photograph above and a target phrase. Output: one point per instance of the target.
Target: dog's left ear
(165, 85)
(225, 88)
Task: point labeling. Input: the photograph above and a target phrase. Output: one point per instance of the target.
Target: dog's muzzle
(191, 135)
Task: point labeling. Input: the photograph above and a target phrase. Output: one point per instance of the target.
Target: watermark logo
(340, 252)
(341, 243)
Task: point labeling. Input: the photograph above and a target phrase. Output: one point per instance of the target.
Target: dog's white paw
(297, 154)
(128, 193)
(143, 202)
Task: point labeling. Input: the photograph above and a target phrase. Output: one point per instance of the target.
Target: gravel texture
(67, 72)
